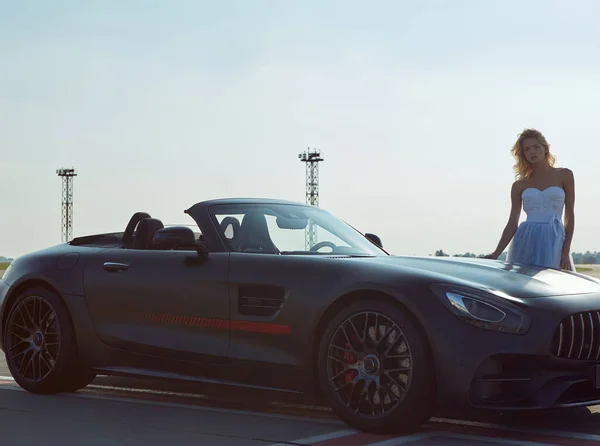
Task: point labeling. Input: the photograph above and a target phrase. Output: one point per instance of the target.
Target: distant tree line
(586, 258)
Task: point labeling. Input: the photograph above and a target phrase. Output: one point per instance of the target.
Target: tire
(52, 349)
(415, 386)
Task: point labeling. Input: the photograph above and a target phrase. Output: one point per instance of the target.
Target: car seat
(145, 231)
(254, 234)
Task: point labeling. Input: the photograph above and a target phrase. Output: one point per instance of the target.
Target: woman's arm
(569, 217)
(513, 221)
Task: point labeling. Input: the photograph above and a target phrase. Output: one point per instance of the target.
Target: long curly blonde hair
(522, 167)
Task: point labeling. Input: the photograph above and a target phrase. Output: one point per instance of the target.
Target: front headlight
(483, 310)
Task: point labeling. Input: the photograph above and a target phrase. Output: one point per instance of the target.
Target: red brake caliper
(350, 358)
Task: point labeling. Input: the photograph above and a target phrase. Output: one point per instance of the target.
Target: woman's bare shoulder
(519, 185)
(564, 174)
(564, 171)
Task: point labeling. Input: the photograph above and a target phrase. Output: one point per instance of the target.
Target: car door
(270, 315)
(267, 290)
(161, 303)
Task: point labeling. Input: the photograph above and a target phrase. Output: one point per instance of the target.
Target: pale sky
(414, 104)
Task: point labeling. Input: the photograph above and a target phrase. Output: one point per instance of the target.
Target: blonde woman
(546, 193)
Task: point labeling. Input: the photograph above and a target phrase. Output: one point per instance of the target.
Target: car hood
(517, 280)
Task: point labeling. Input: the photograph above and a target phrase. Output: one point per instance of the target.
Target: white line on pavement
(316, 438)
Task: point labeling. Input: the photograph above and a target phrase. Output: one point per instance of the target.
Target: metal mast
(312, 159)
(67, 202)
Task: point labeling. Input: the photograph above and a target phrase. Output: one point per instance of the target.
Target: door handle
(114, 267)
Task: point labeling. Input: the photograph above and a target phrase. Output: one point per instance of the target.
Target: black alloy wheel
(40, 346)
(376, 369)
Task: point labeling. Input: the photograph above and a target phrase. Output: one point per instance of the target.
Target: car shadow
(577, 419)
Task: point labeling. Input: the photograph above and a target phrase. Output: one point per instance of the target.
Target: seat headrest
(254, 233)
(145, 231)
(254, 219)
(133, 221)
(230, 221)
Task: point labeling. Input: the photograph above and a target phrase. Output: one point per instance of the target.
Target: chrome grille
(578, 337)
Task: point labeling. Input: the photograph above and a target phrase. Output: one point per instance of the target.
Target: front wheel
(376, 369)
(40, 346)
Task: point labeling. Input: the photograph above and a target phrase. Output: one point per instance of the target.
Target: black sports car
(252, 299)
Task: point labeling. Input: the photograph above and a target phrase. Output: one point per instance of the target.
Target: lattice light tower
(67, 202)
(312, 159)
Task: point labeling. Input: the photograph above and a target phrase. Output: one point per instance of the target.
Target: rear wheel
(376, 369)
(40, 345)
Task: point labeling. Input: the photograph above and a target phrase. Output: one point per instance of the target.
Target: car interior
(252, 235)
(141, 229)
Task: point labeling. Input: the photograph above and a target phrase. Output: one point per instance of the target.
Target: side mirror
(374, 239)
(173, 237)
(179, 237)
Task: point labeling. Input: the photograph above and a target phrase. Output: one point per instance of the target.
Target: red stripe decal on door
(209, 322)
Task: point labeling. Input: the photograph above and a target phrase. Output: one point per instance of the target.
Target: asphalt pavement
(119, 411)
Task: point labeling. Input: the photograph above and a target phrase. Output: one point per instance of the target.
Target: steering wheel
(322, 245)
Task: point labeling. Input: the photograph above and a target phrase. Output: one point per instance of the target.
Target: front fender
(400, 294)
(410, 297)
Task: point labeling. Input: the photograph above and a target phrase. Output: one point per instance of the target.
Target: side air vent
(260, 300)
(578, 337)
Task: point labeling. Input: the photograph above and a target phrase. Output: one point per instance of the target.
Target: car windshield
(288, 229)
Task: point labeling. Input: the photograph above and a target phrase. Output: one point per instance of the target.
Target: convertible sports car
(245, 300)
